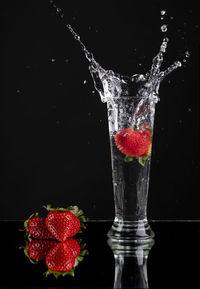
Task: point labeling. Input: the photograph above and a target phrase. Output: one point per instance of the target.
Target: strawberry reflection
(130, 264)
(61, 258)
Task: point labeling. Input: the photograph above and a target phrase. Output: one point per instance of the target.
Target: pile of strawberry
(50, 239)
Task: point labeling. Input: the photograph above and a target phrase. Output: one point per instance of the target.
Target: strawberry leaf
(142, 160)
(58, 274)
(128, 159)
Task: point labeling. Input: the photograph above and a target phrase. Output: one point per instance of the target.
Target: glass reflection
(61, 258)
(130, 265)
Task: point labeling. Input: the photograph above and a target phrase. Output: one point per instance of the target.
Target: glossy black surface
(172, 261)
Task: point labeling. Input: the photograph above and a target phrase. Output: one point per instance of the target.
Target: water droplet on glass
(162, 12)
(180, 121)
(163, 28)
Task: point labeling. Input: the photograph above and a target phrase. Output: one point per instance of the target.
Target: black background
(55, 136)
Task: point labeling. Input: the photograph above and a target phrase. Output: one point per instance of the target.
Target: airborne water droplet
(163, 28)
(162, 12)
(187, 54)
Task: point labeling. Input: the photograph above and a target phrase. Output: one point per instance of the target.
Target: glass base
(131, 232)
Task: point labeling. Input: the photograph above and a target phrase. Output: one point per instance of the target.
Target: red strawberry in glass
(134, 143)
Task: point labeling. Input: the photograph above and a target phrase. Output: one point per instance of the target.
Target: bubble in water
(163, 28)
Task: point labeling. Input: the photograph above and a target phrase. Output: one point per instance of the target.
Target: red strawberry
(60, 258)
(134, 143)
(36, 227)
(37, 249)
(73, 246)
(62, 224)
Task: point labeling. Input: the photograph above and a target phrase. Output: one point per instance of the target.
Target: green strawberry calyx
(141, 160)
(78, 259)
(73, 209)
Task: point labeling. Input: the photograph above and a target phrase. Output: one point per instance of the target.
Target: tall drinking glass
(131, 111)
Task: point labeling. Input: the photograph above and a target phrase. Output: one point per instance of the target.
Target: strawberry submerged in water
(35, 227)
(134, 143)
(63, 223)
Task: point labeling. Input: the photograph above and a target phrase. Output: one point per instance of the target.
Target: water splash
(113, 86)
(109, 84)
